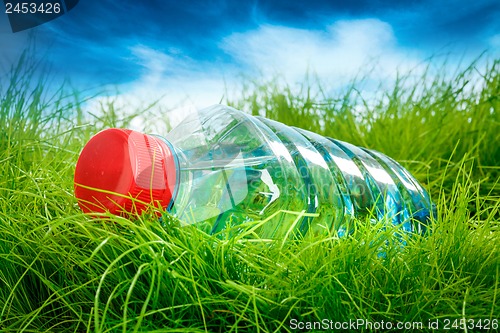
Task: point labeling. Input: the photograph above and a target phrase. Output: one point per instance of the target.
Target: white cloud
(154, 62)
(335, 54)
(180, 84)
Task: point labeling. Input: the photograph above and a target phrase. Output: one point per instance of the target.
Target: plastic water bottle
(221, 167)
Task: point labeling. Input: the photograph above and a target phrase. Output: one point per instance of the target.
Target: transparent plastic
(234, 168)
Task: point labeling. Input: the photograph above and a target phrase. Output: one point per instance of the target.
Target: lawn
(62, 271)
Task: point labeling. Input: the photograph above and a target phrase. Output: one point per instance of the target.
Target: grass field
(61, 271)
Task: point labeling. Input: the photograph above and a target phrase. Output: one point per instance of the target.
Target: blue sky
(175, 49)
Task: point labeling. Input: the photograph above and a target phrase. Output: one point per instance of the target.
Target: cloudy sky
(174, 49)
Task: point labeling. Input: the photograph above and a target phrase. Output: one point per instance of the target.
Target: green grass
(64, 272)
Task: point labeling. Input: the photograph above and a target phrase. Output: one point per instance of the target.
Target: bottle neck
(173, 185)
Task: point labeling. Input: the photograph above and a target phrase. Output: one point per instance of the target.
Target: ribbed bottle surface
(234, 168)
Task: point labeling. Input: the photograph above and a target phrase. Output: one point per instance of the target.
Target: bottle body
(235, 167)
(223, 167)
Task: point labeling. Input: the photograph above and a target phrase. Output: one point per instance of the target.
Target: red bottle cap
(124, 171)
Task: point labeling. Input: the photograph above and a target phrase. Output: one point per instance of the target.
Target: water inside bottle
(236, 168)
